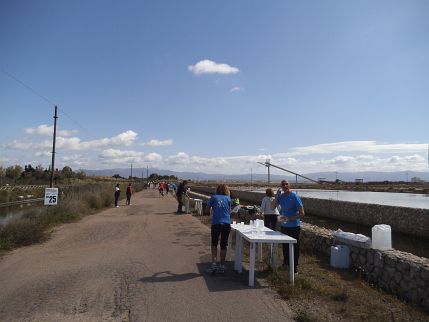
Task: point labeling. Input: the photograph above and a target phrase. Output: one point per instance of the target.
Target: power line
(27, 86)
(46, 99)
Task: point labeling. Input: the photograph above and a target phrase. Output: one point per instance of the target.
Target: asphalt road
(135, 263)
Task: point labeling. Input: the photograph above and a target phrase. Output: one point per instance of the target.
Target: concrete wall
(411, 221)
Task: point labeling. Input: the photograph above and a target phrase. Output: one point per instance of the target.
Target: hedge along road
(135, 263)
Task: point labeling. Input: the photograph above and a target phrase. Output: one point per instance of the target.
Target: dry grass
(322, 293)
(75, 202)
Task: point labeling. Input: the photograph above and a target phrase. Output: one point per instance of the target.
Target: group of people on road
(128, 193)
(163, 188)
(285, 207)
(285, 203)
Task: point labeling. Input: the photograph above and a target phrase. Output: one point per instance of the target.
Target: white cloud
(153, 157)
(20, 144)
(115, 153)
(74, 143)
(236, 89)
(155, 142)
(43, 154)
(358, 146)
(49, 131)
(210, 67)
(123, 157)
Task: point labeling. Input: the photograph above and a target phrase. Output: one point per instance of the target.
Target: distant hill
(329, 176)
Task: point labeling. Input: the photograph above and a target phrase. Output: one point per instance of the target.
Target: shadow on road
(168, 276)
(229, 281)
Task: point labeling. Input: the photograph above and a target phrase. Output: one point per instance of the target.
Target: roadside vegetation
(75, 202)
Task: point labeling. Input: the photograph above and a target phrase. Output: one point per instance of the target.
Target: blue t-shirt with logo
(289, 207)
(221, 209)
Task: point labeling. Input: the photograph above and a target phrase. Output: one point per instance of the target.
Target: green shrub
(94, 201)
(20, 232)
(75, 202)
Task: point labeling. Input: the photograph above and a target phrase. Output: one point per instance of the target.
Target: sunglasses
(285, 184)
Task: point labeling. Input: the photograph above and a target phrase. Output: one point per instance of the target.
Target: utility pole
(53, 148)
(131, 173)
(251, 177)
(267, 164)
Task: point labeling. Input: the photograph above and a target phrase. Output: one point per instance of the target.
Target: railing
(23, 187)
(20, 202)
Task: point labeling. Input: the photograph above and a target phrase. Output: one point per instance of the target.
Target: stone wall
(411, 221)
(400, 273)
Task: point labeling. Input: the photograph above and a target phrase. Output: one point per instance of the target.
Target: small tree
(2, 174)
(13, 172)
(67, 172)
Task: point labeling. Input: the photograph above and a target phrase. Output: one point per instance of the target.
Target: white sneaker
(117, 206)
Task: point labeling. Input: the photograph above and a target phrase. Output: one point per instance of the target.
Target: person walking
(181, 192)
(270, 215)
(129, 193)
(221, 226)
(117, 194)
(291, 212)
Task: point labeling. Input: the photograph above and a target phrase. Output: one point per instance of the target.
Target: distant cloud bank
(122, 149)
(159, 143)
(210, 67)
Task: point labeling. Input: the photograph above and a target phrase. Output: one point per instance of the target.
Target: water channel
(415, 245)
(17, 211)
(397, 199)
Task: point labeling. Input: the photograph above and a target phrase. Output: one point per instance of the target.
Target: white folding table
(253, 236)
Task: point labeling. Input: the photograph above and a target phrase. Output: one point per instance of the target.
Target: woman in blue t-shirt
(221, 226)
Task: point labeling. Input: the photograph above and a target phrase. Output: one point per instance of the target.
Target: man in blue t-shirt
(221, 226)
(290, 224)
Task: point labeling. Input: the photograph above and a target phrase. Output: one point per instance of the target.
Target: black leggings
(223, 230)
(116, 198)
(270, 221)
(293, 232)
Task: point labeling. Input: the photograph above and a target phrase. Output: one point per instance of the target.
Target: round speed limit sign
(51, 196)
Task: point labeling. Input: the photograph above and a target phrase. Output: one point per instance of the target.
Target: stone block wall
(396, 272)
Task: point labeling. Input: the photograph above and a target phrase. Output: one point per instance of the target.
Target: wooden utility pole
(53, 149)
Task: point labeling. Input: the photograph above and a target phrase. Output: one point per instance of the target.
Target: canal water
(415, 245)
(411, 200)
(16, 212)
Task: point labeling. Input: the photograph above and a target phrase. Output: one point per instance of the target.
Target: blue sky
(216, 86)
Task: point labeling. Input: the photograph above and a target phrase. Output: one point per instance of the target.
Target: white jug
(381, 237)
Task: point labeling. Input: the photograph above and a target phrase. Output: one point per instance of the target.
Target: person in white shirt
(270, 215)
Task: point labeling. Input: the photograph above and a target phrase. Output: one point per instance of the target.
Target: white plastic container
(381, 237)
(340, 256)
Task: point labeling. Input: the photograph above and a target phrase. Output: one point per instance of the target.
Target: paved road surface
(135, 263)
